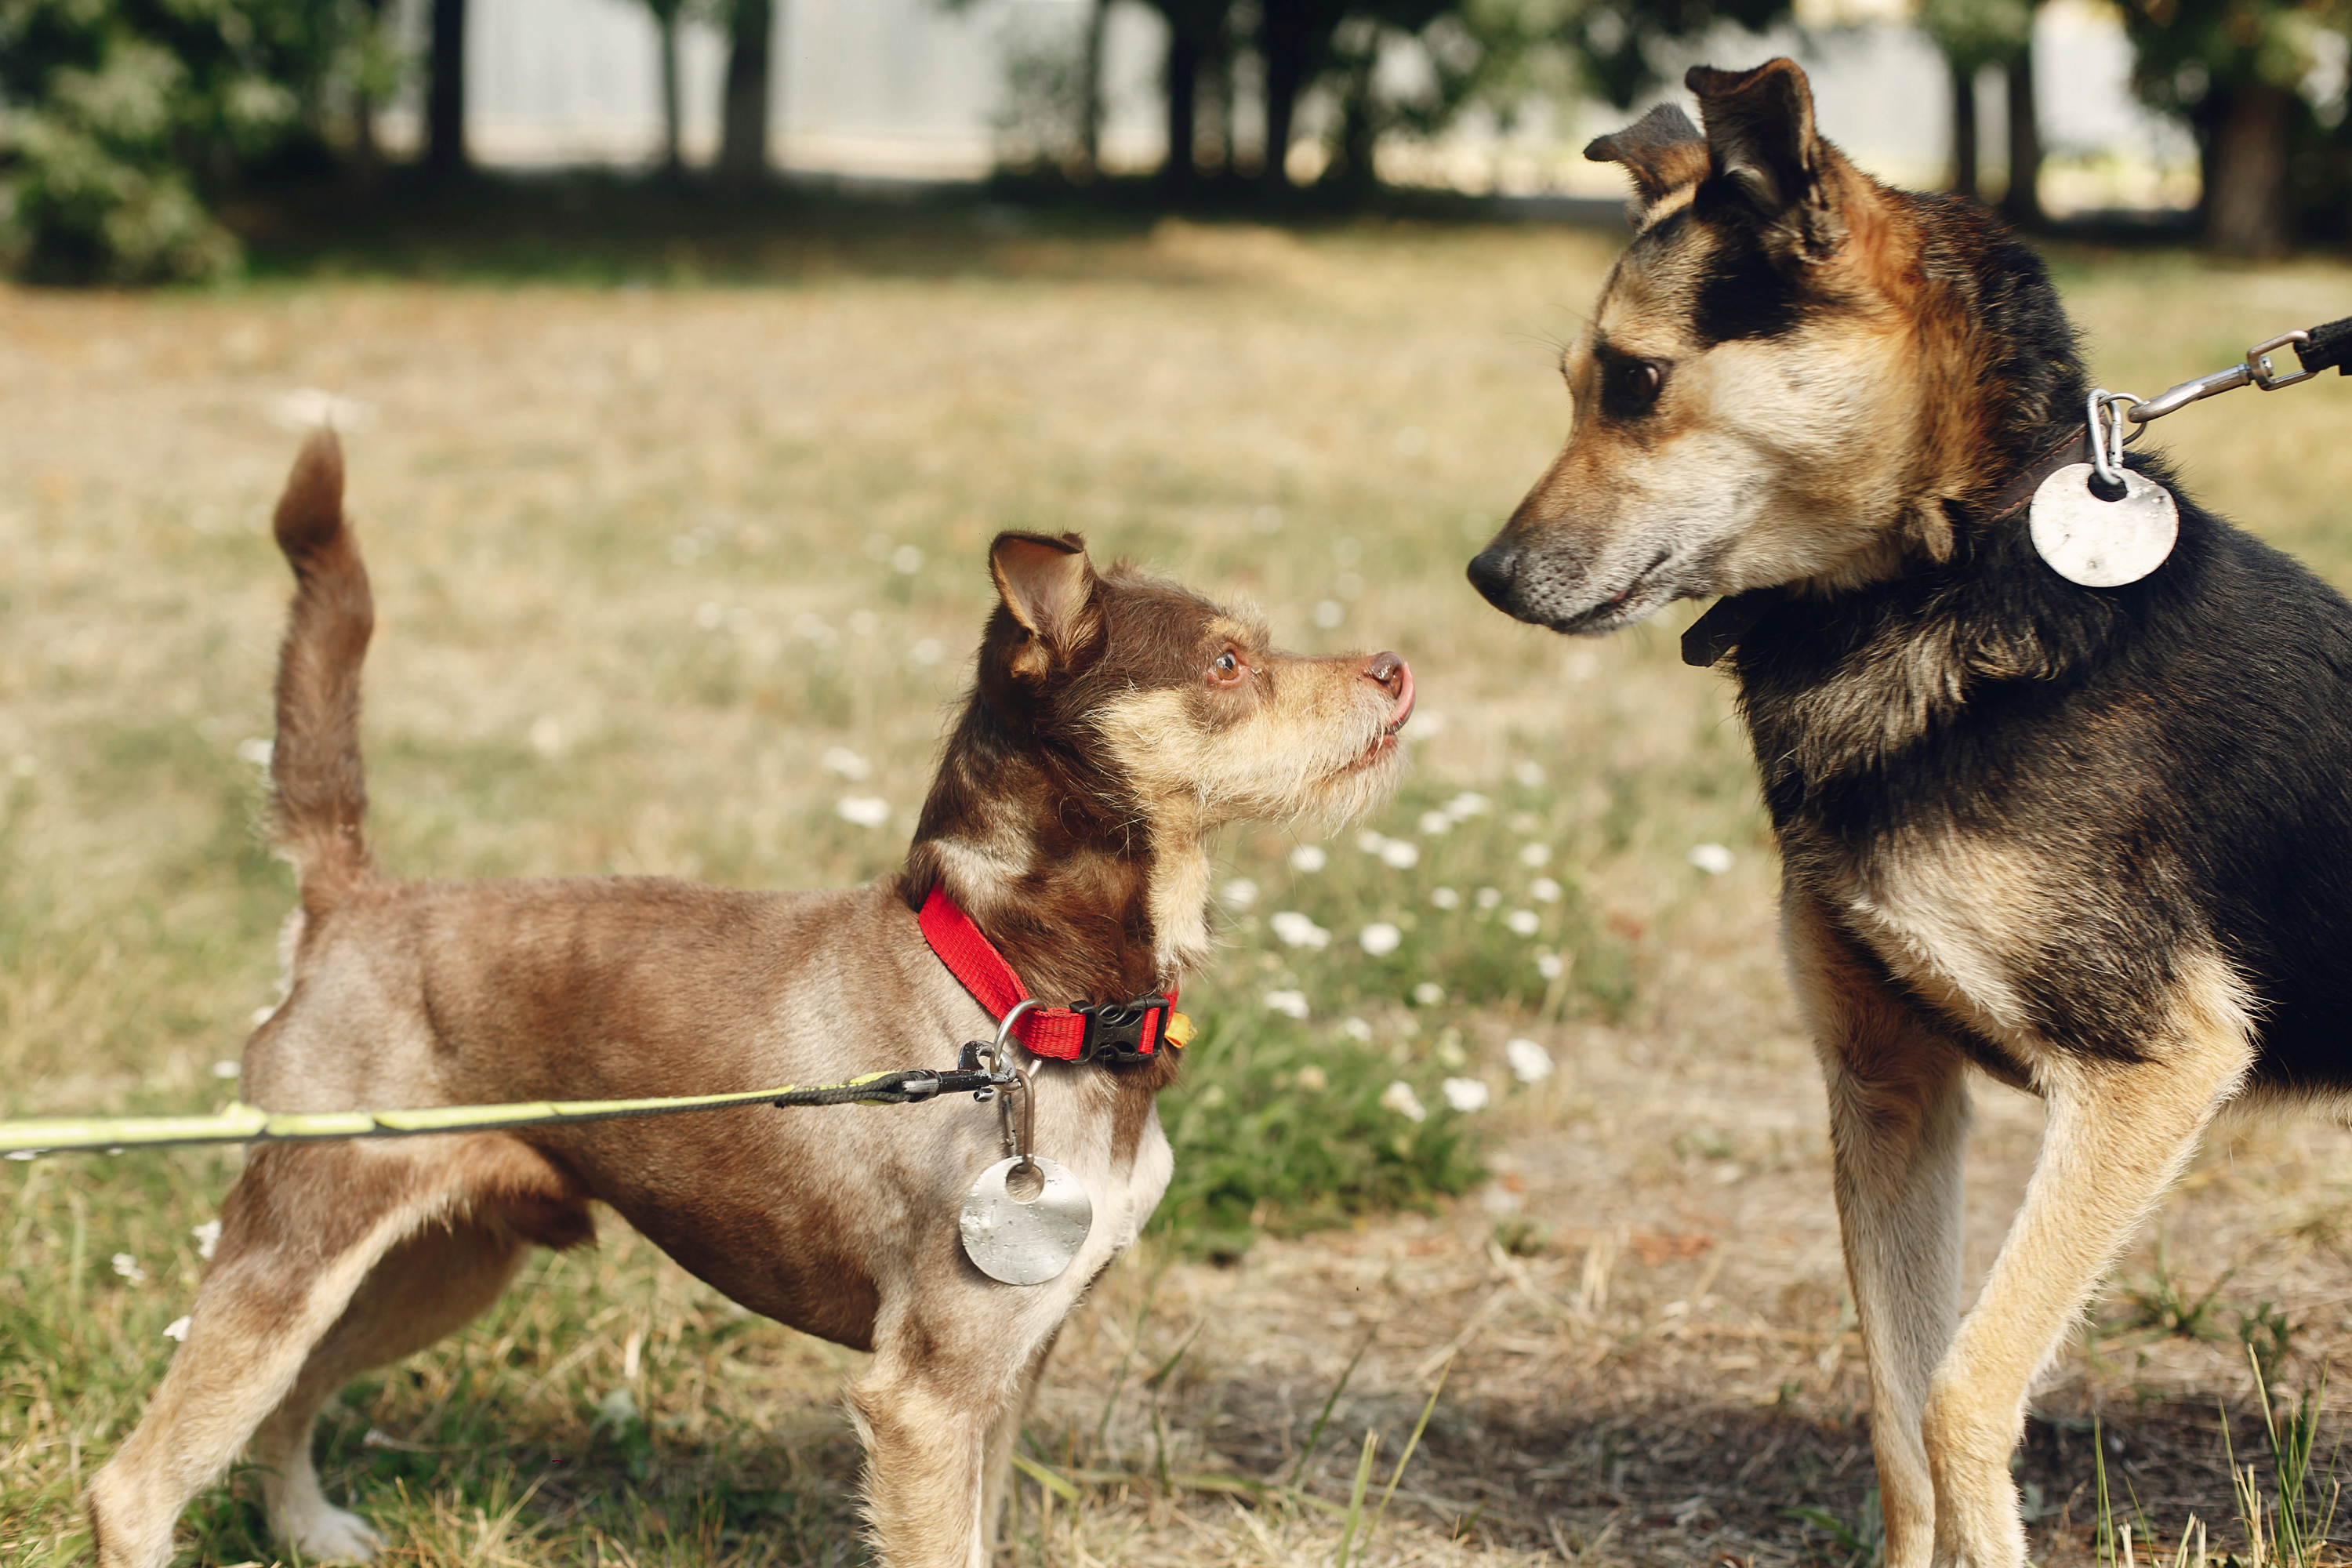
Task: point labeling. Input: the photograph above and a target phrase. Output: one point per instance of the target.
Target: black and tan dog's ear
(1048, 584)
(1663, 151)
(1760, 139)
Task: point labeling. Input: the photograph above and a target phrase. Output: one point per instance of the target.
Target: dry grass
(627, 603)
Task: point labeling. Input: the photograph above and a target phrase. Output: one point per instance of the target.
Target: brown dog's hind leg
(2117, 1135)
(430, 1283)
(300, 1231)
(1899, 1127)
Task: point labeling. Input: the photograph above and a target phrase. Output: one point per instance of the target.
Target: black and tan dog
(1115, 720)
(2095, 841)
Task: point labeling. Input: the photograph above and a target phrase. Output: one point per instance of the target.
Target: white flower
(1399, 1097)
(1372, 843)
(208, 1236)
(1289, 1004)
(1312, 1079)
(843, 762)
(1238, 894)
(1379, 938)
(1530, 1063)
(177, 1329)
(1537, 854)
(1468, 804)
(1434, 823)
(226, 1068)
(1551, 966)
(1356, 1029)
(1402, 854)
(907, 559)
(1330, 613)
(1712, 858)
(1530, 774)
(1296, 930)
(928, 652)
(1523, 922)
(255, 749)
(865, 810)
(1488, 897)
(1308, 857)
(1544, 890)
(1467, 1094)
(1428, 994)
(127, 1266)
(1446, 898)
(547, 735)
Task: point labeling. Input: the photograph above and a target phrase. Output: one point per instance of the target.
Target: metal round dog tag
(2103, 544)
(1025, 1239)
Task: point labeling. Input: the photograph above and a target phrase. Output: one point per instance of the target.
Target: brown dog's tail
(321, 806)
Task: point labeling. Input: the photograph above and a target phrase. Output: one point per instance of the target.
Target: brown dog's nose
(1393, 674)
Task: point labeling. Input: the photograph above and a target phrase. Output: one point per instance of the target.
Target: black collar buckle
(1115, 1030)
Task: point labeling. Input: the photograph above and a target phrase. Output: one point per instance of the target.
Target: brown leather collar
(1717, 633)
(2074, 448)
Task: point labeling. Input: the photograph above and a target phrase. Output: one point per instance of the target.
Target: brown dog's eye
(1226, 669)
(1630, 386)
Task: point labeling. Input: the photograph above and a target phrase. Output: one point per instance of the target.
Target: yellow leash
(240, 1123)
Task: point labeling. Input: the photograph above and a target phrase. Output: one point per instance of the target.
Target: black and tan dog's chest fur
(2095, 841)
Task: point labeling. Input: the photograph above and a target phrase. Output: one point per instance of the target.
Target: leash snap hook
(2107, 413)
(2258, 362)
(1001, 1070)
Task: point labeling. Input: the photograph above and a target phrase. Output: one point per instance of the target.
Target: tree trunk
(673, 159)
(445, 93)
(1091, 105)
(2245, 195)
(1964, 132)
(2021, 202)
(1184, 86)
(1282, 49)
(743, 122)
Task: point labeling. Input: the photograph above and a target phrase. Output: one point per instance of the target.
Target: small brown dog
(1115, 722)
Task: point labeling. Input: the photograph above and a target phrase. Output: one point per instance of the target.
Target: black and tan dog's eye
(1630, 385)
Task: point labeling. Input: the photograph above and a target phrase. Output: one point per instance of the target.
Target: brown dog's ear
(1759, 138)
(1047, 583)
(1663, 151)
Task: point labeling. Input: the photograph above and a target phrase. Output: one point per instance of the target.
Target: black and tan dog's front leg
(1899, 1127)
(2118, 1134)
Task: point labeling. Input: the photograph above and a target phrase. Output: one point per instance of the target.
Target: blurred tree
(1973, 35)
(743, 118)
(1197, 41)
(2243, 75)
(444, 91)
(1615, 41)
(124, 115)
(667, 13)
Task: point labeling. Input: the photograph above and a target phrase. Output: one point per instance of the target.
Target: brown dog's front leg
(938, 1411)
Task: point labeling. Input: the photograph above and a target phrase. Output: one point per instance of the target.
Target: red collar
(1115, 1030)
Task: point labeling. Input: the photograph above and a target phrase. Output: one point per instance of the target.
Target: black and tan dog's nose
(1491, 570)
(1390, 672)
